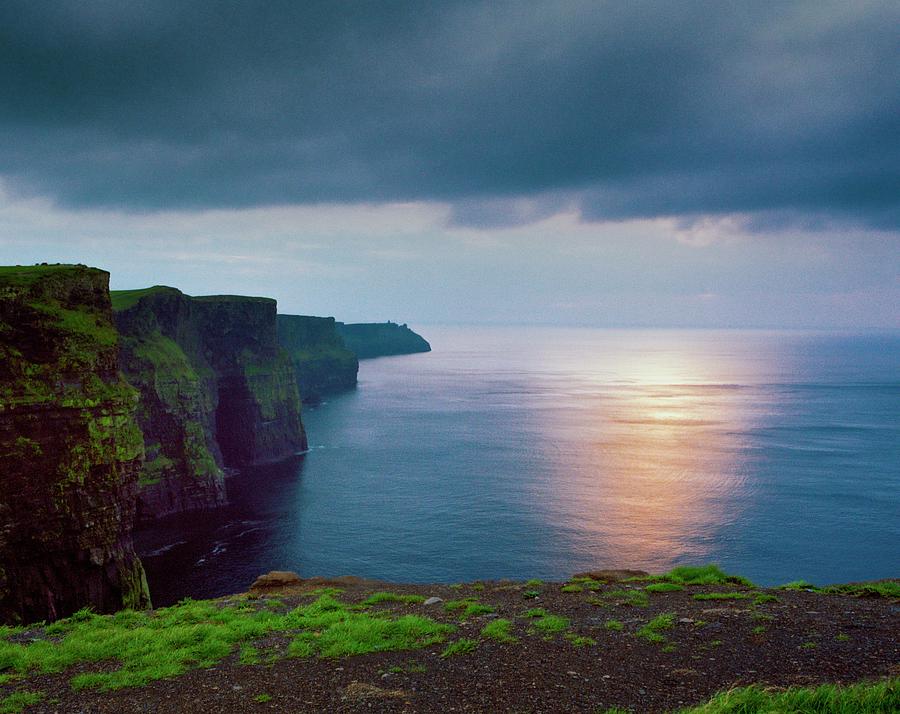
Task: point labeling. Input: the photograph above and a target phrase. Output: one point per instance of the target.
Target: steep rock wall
(162, 357)
(216, 390)
(70, 449)
(322, 362)
(258, 415)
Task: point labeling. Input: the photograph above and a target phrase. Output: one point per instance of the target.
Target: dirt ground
(802, 638)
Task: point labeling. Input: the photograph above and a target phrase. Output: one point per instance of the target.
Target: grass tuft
(550, 624)
(380, 597)
(615, 625)
(633, 598)
(663, 588)
(653, 629)
(17, 701)
(698, 575)
(866, 698)
(723, 596)
(462, 646)
(499, 630)
(468, 607)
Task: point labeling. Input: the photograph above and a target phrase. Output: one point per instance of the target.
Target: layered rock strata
(216, 390)
(70, 449)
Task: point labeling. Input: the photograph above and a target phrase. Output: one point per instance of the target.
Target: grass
(461, 646)
(550, 624)
(124, 299)
(580, 641)
(615, 625)
(697, 575)
(763, 598)
(634, 598)
(723, 596)
(889, 589)
(145, 646)
(653, 629)
(262, 698)
(797, 585)
(468, 607)
(572, 588)
(865, 698)
(499, 630)
(380, 597)
(663, 588)
(531, 594)
(248, 654)
(588, 583)
(17, 701)
(535, 612)
(534, 583)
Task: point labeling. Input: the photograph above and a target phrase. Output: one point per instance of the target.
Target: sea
(540, 452)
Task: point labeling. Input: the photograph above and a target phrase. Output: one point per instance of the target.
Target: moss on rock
(70, 449)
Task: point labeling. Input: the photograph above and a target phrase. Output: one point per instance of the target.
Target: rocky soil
(599, 660)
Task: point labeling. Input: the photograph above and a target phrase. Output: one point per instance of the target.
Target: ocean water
(540, 452)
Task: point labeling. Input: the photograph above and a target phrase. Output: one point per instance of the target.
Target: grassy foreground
(661, 623)
(875, 698)
(165, 643)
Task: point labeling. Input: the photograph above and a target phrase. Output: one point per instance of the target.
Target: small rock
(274, 580)
(433, 601)
(686, 620)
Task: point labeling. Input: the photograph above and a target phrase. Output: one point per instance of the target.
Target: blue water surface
(539, 452)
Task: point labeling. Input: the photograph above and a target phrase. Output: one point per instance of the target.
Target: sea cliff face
(380, 339)
(322, 363)
(258, 415)
(162, 357)
(216, 390)
(70, 449)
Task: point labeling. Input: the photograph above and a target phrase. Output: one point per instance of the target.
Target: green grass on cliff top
(167, 642)
(21, 275)
(124, 299)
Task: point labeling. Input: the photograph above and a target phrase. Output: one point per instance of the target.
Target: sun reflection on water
(658, 446)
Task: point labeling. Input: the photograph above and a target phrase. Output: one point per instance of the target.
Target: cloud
(504, 110)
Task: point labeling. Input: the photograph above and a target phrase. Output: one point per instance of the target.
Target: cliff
(380, 339)
(70, 449)
(216, 390)
(322, 362)
(162, 357)
(258, 416)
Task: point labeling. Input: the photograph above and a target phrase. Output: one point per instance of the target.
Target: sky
(702, 164)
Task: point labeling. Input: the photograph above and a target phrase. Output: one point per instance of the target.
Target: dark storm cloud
(505, 109)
